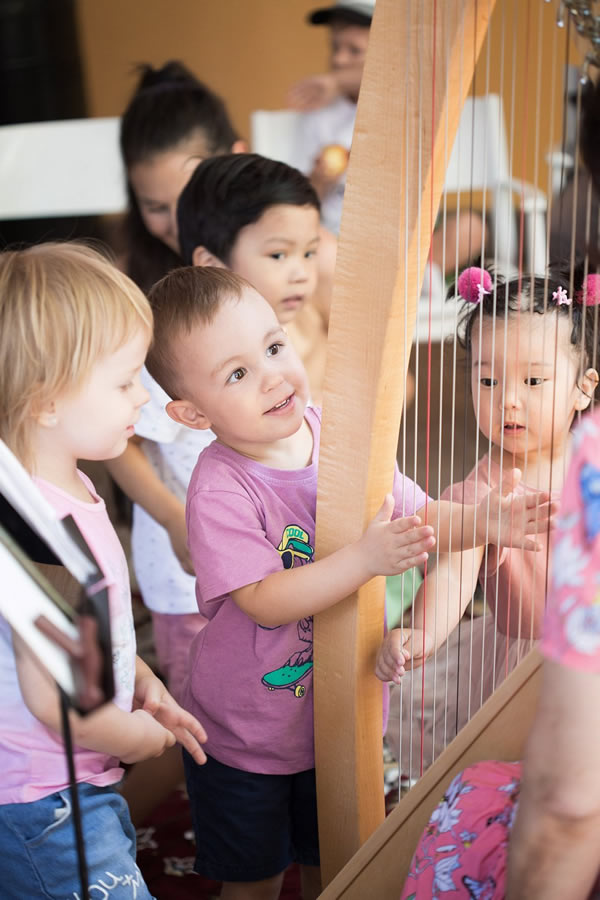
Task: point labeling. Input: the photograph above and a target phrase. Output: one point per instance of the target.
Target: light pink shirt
(32, 758)
(514, 580)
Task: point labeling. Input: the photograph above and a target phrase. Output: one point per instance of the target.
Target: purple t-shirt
(251, 686)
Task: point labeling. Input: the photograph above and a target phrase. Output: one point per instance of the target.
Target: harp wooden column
(418, 72)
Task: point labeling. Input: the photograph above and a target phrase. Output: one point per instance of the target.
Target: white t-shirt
(332, 124)
(172, 451)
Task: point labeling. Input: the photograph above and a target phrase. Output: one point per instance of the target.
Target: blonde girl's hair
(63, 306)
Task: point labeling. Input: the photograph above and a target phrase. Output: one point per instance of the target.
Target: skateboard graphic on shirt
(295, 669)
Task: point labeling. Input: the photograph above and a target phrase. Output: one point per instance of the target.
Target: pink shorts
(173, 636)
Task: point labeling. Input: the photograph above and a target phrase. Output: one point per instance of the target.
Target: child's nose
(272, 378)
(141, 395)
(300, 270)
(511, 399)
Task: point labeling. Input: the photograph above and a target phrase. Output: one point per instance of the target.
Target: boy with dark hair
(257, 217)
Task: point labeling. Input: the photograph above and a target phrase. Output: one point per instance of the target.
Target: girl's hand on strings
(402, 649)
(391, 547)
(506, 519)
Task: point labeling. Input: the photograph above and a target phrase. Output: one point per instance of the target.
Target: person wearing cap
(328, 103)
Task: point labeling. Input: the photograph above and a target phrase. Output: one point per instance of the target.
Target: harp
(425, 58)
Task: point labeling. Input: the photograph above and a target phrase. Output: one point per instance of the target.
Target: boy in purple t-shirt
(226, 362)
(223, 357)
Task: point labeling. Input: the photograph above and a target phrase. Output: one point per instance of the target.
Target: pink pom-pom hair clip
(589, 295)
(473, 283)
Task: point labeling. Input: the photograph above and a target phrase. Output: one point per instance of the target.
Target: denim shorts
(38, 854)
(250, 827)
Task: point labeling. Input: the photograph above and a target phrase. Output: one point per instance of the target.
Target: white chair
(63, 168)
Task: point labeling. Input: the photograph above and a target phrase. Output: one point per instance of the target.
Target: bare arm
(553, 851)
(130, 736)
(136, 477)
(439, 605)
(386, 548)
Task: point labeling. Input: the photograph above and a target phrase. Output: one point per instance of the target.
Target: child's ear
(203, 257)
(239, 146)
(46, 416)
(589, 383)
(185, 413)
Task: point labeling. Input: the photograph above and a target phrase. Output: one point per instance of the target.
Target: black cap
(352, 12)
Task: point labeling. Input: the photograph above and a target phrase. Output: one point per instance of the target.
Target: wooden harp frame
(405, 122)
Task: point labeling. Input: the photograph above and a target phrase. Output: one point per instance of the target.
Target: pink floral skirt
(462, 852)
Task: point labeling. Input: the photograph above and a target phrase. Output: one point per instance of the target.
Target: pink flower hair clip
(561, 297)
(473, 284)
(589, 295)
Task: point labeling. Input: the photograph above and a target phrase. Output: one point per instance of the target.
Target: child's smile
(242, 378)
(282, 408)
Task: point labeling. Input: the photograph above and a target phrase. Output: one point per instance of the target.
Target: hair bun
(473, 282)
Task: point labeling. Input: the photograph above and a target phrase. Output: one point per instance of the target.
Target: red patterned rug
(166, 857)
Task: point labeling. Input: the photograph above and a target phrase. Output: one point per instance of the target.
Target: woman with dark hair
(172, 123)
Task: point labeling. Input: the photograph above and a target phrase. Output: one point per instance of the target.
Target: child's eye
(274, 349)
(236, 376)
(310, 254)
(279, 255)
(534, 381)
(488, 382)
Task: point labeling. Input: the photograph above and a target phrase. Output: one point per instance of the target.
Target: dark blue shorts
(250, 827)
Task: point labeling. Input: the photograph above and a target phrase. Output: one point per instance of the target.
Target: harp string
(425, 390)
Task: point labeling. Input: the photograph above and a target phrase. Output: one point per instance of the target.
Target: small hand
(402, 649)
(322, 178)
(391, 657)
(394, 546)
(313, 92)
(177, 531)
(506, 519)
(151, 739)
(155, 699)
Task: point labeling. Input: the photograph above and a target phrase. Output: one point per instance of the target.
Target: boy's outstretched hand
(392, 547)
(506, 519)
(402, 649)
